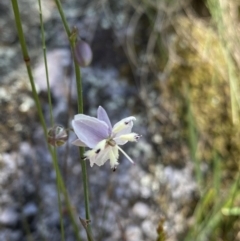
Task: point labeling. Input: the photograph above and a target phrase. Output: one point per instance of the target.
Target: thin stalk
(51, 119)
(192, 136)
(40, 114)
(60, 183)
(45, 62)
(60, 9)
(216, 172)
(81, 149)
(28, 63)
(72, 39)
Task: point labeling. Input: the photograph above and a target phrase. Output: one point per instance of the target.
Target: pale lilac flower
(103, 139)
(83, 53)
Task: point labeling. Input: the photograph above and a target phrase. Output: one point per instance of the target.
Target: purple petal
(79, 143)
(103, 116)
(90, 130)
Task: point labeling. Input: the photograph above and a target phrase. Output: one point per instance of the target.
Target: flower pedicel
(103, 139)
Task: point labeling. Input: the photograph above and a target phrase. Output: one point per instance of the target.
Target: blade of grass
(217, 12)
(213, 217)
(192, 137)
(216, 172)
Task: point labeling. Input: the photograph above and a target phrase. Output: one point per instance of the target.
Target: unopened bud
(57, 136)
(83, 53)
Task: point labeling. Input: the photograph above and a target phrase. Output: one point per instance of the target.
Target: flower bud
(83, 53)
(57, 136)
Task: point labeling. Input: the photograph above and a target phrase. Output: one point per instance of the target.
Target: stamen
(125, 154)
(111, 142)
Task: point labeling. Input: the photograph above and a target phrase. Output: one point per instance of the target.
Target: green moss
(200, 65)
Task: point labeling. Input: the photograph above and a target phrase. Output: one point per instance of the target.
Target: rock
(133, 233)
(149, 229)
(141, 210)
(8, 234)
(9, 217)
(30, 210)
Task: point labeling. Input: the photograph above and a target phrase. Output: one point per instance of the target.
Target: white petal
(123, 127)
(99, 160)
(113, 156)
(123, 139)
(99, 155)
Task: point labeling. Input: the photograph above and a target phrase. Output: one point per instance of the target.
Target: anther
(137, 137)
(97, 151)
(111, 142)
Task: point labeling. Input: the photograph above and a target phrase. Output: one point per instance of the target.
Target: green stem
(26, 58)
(193, 137)
(53, 152)
(58, 175)
(72, 39)
(60, 183)
(81, 149)
(60, 9)
(45, 62)
(28, 63)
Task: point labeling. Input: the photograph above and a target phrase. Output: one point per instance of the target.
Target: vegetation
(188, 55)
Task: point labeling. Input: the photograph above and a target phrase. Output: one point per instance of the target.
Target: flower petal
(79, 143)
(123, 127)
(100, 158)
(123, 139)
(113, 156)
(103, 116)
(90, 130)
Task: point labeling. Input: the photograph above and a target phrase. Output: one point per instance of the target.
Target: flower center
(111, 142)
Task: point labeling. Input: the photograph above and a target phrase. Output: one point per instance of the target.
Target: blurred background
(174, 65)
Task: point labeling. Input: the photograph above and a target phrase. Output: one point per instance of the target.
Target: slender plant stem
(66, 197)
(45, 62)
(58, 193)
(51, 118)
(28, 63)
(72, 39)
(60, 9)
(81, 149)
(40, 114)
